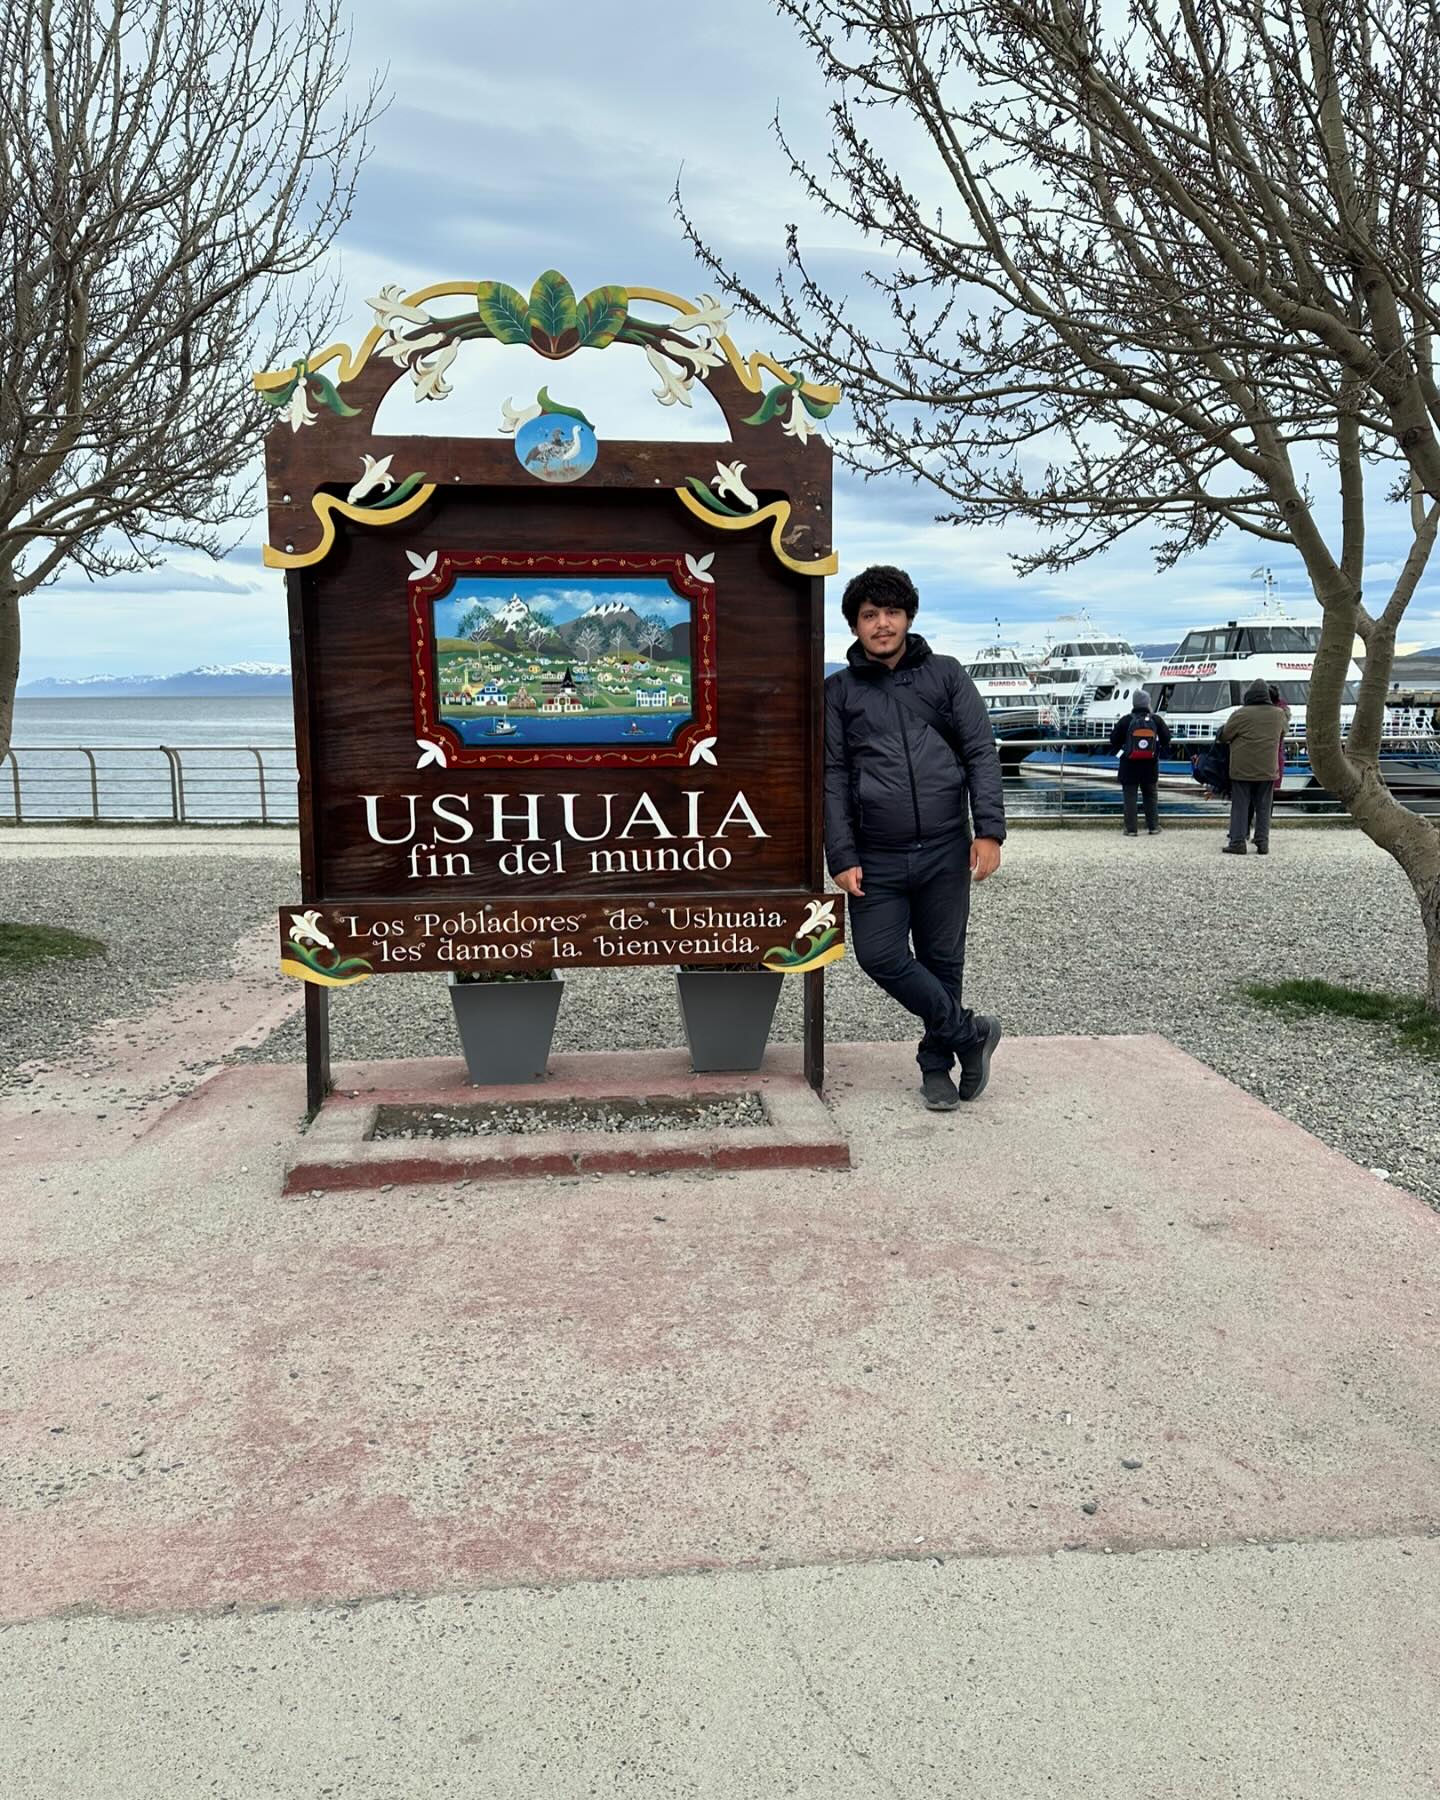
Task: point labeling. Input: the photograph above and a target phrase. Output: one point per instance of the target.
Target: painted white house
(658, 696)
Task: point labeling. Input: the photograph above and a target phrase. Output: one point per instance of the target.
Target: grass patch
(1412, 1022)
(23, 945)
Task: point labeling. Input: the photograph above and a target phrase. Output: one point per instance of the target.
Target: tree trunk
(1351, 770)
(1430, 913)
(9, 659)
(1414, 842)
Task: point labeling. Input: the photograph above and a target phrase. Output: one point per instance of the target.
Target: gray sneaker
(939, 1091)
(975, 1062)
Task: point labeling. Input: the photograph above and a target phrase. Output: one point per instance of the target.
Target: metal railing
(176, 784)
(1072, 776)
(180, 784)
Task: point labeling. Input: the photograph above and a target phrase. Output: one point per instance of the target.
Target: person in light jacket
(910, 760)
(1254, 733)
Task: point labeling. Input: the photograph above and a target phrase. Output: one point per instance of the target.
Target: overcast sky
(521, 139)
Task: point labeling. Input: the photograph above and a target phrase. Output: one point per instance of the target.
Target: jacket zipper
(909, 766)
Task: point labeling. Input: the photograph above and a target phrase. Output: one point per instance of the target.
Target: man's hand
(984, 859)
(851, 881)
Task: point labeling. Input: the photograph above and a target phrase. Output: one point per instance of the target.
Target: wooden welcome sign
(557, 697)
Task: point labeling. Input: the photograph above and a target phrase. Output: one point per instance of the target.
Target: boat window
(1202, 643)
(1278, 640)
(1196, 696)
(1105, 693)
(1291, 638)
(1060, 677)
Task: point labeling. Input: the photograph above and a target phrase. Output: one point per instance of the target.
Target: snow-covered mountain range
(242, 678)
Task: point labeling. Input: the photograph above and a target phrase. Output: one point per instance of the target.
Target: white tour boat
(1205, 678)
(1017, 715)
(1087, 678)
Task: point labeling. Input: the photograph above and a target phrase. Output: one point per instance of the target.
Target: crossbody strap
(922, 709)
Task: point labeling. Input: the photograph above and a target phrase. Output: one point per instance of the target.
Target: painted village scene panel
(549, 660)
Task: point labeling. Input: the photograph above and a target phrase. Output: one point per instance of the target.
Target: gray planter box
(726, 1014)
(506, 1027)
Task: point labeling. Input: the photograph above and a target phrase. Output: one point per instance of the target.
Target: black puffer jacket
(890, 778)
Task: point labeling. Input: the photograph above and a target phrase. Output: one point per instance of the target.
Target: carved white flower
(430, 752)
(820, 917)
(305, 929)
(421, 566)
(699, 356)
(699, 567)
(376, 475)
(730, 479)
(407, 351)
(297, 410)
(704, 751)
(676, 384)
(389, 305)
(708, 313)
(430, 382)
(511, 420)
(799, 424)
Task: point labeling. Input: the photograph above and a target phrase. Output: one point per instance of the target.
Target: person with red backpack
(1141, 740)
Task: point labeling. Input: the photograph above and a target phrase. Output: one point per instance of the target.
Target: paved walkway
(1086, 1441)
(31, 843)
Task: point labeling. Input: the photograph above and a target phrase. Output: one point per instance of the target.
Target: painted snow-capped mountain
(513, 615)
(239, 678)
(608, 609)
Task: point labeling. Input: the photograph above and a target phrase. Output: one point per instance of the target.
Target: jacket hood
(916, 651)
(1142, 702)
(1257, 694)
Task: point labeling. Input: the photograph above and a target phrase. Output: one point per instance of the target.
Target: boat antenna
(1266, 577)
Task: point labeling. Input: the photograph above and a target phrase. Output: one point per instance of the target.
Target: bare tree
(172, 174)
(1174, 266)
(652, 634)
(588, 641)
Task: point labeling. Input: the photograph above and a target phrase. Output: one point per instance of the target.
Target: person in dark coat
(1142, 739)
(1254, 733)
(910, 760)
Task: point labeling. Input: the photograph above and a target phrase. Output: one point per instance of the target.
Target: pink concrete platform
(1116, 1283)
(338, 1150)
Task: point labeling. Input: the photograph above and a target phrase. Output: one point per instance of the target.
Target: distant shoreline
(162, 688)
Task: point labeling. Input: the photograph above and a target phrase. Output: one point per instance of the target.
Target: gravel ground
(721, 1113)
(164, 920)
(1082, 932)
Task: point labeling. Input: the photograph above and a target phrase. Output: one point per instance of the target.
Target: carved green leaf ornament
(504, 312)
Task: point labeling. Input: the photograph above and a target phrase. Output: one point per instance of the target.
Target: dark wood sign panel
(357, 622)
(548, 676)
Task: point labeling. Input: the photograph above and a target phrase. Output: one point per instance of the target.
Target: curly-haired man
(909, 760)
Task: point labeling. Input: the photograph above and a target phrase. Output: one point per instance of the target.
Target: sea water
(220, 745)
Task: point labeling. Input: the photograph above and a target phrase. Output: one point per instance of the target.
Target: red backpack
(1142, 741)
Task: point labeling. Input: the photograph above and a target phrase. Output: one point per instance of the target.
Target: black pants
(921, 893)
(1131, 792)
(1247, 799)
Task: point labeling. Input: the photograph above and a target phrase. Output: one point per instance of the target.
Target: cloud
(516, 144)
